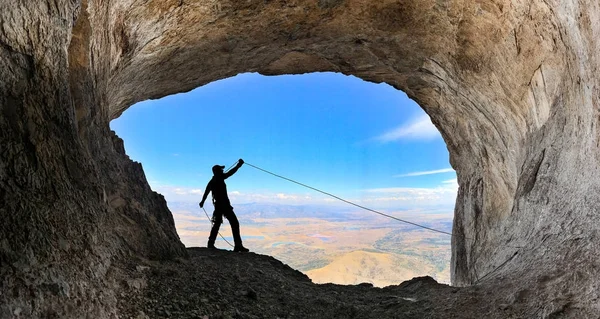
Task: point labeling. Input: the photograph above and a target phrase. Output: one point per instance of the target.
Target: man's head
(218, 169)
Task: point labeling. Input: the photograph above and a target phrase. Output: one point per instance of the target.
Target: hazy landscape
(340, 245)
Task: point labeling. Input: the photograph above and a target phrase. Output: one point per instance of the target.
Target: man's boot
(211, 242)
(241, 249)
(211, 245)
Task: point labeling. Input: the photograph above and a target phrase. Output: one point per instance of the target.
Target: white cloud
(185, 194)
(286, 196)
(419, 128)
(409, 190)
(175, 193)
(451, 183)
(267, 197)
(443, 195)
(180, 191)
(437, 171)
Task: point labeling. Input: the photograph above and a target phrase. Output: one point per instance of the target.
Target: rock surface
(512, 86)
(224, 284)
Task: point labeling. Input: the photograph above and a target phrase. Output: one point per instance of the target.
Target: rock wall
(510, 84)
(73, 207)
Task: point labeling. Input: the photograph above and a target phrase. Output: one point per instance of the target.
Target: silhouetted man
(222, 206)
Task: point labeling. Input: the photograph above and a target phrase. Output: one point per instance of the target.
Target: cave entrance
(366, 142)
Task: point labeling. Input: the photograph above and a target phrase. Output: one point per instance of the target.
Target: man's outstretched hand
(201, 204)
(241, 161)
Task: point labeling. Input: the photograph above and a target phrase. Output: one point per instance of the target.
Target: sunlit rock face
(511, 85)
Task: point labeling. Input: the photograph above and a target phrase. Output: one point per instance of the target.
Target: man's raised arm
(233, 170)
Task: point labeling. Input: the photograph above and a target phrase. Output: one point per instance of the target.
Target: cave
(511, 86)
(363, 142)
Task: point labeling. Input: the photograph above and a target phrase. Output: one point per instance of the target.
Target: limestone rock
(511, 85)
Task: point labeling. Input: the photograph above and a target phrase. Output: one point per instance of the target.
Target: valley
(333, 245)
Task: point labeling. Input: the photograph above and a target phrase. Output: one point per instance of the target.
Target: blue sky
(364, 141)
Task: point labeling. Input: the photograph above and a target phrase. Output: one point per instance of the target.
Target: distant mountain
(272, 210)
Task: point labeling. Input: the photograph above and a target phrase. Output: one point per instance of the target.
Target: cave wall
(73, 207)
(511, 86)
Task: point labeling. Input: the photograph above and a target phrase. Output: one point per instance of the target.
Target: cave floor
(224, 284)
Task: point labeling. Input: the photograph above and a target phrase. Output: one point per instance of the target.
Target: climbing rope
(351, 203)
(389, 216)
(359, 206)
(211, 223)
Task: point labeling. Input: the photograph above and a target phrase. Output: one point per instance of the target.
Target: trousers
(218, 220)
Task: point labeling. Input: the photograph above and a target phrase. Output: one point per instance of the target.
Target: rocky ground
(224, 284)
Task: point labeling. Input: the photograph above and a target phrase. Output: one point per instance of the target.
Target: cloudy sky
(366, 142)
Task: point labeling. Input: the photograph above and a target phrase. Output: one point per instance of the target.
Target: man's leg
(214, 231)
(235, 229)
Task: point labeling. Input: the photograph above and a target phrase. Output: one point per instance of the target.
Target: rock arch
(511, 86)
